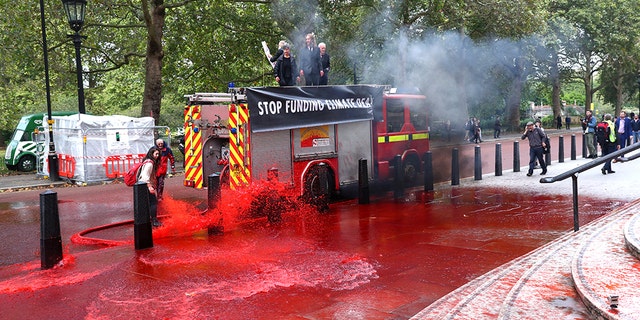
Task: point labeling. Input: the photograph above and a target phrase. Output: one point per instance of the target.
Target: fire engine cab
(304, 136)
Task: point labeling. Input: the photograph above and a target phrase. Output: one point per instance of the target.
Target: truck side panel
(354, 144)
(274, 150)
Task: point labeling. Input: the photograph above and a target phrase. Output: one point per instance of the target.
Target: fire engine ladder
(212, 98)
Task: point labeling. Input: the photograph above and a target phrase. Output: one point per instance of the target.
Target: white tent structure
(90, 141)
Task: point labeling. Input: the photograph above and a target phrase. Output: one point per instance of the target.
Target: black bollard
(498, 168)
(50, 239)
(516, 156)
(547, 152)
(363, 182)
(213, 196)
(560, 149)
(573, 147)
(213, 190)
(142, 234)
(398, 183)
(477, 167)
(584, 145)
(455, 167)
(428, 171)
(54, 172)
(547, 158)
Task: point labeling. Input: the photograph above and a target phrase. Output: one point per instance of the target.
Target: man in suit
(310, 65)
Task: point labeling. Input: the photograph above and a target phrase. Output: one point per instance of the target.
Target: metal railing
(573, 173)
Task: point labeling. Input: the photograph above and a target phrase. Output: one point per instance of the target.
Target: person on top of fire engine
(310, 64)
(286, 69)
(275, 57)
(165, 155)
(326, 64)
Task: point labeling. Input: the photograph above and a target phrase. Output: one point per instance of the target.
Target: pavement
(25, 181)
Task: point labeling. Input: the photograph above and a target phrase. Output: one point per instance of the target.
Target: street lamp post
(638, 79)
(75, 10)
(52, 156)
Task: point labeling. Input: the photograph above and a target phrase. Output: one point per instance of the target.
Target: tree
(607, 37)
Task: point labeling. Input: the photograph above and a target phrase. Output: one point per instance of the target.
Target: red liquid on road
(387, 259)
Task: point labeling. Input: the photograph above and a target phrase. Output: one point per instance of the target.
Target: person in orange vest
(165, 155)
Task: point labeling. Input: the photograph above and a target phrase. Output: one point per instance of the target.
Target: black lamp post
(75, 10)
(638, 79)
(53, 157)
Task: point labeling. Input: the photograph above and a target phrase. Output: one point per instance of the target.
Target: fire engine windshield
(406, 114)
(418, 113)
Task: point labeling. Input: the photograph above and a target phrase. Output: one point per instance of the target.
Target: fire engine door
(215, 152)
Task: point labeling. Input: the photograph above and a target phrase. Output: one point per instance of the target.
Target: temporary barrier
(102, 148)
(117, 166)
(66, 166)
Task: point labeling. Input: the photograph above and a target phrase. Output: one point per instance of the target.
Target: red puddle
(387, 259)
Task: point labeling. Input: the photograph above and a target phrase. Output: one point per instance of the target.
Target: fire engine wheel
(410, 169)
(27, 163)
(318, 186)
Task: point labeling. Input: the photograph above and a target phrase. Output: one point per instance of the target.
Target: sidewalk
(22, 181)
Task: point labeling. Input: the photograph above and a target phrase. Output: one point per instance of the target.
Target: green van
(27, 144)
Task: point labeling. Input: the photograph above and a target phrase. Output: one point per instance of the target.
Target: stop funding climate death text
(302, 106)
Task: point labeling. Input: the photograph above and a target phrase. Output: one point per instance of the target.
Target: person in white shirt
(147, 174)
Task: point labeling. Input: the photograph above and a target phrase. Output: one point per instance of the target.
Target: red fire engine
(299, 133)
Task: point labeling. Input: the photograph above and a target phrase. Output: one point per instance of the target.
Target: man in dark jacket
(536, 147)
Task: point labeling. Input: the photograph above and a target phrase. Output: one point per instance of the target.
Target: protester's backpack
(602, 132)
(131, 177)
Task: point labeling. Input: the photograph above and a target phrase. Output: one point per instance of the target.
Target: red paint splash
(263, 202)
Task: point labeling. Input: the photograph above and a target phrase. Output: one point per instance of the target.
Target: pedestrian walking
(536, 147)
(607, 141)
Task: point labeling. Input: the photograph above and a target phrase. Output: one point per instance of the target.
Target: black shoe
(604, 171)
(543, 172)
(611, 171)
(529, 174)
